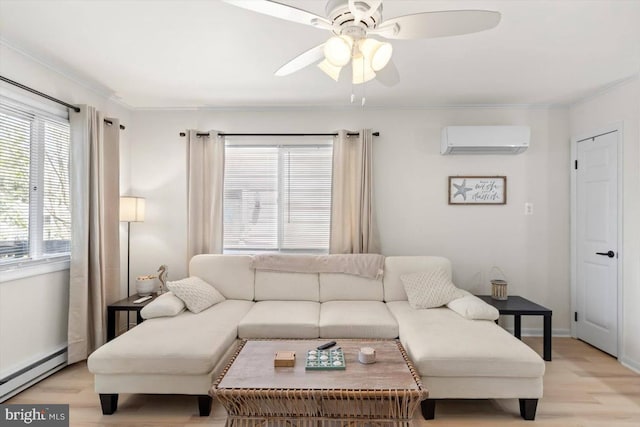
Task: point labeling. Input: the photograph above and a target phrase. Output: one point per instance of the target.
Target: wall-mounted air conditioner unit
(485, 139)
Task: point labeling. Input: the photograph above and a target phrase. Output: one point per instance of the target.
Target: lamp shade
(131, 209)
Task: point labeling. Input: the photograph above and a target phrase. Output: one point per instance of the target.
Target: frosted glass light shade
(330, 69)
(377, 53)
(382, 56)
(362, 71)
(131, 209)
(337, 50)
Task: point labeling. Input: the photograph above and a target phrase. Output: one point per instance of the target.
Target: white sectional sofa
(457, 358)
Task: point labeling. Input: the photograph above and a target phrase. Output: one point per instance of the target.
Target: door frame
(613, 127)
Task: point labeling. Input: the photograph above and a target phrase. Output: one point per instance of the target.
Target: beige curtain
(95, 247)
(353, 225)
(205, 193)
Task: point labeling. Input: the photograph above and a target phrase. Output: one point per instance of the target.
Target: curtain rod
(50, 98)
(281, 134)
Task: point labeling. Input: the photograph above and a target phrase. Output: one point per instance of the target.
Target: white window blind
(277, 198)
(34, 185)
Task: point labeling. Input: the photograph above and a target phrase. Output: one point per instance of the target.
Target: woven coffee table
(254, 392)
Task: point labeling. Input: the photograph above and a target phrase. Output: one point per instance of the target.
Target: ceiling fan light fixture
(382, 56)
(378, 53)
(330, 69)
(337, 50)
(362, 71)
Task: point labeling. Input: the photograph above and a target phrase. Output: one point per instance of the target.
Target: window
(35, 217)
(277, 198)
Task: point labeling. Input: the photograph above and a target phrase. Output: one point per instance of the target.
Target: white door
(597, 241)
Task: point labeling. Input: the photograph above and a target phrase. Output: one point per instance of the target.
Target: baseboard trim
(631, 364)
(538, 332)
(25, 378)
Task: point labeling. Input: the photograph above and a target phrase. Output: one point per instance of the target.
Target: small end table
(519, 306)
(127, 305)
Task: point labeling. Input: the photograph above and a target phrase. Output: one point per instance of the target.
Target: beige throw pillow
(196, 293)
(473, 308)
(166, 305)
(429, 289)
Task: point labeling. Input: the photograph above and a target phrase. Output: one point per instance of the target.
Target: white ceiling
(169, 54)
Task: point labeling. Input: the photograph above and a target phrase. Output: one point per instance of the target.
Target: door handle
(610, 254)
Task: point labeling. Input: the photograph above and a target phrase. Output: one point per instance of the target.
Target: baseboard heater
(23, 378)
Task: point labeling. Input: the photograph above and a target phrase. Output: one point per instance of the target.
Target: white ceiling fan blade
(389, 75)
(305, 59)
(438, 24)
(282, 11)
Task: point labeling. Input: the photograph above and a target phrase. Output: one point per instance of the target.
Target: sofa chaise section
(181, 354)
(459, 358)
(177, 355)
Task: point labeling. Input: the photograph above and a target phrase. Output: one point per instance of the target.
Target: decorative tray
(325, 360)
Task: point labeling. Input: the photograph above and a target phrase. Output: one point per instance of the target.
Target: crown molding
(604, 89)
(343, 108)
(108, 94)
(66, 72)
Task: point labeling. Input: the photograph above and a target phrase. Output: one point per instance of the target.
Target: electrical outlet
(528, 208)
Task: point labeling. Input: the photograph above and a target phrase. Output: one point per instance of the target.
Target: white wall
(33, 319)
(410, 178)
(622, 104)
(33, 310)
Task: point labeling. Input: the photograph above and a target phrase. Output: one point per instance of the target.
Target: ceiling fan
(352, 22)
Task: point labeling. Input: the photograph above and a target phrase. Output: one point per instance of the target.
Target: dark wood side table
(518, 306)
(127, 305)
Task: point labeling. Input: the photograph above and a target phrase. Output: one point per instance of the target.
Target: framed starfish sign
(477, 190)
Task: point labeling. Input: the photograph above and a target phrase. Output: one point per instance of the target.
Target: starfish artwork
(462, 190)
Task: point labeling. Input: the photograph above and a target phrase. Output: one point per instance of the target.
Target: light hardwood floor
(582, 387)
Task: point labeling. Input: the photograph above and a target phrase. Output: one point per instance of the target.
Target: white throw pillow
(429, 289)
(165, 305)
(196, 293)
(473, 308)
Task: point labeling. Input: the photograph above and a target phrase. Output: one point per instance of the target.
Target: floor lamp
(131, 210)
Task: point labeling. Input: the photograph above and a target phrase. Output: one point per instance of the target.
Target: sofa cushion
(443, 344)
(197, 294)
(281, 319)
(166, 304)
(230, 274)
(396, 266)
(429, 289)
(347, 287)
(356, 319)
(187, 344)
(280, 286)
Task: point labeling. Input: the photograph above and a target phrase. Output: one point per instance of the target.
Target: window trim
(46, 263)
(10, 272)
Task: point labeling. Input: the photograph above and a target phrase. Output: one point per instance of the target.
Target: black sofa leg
(428, 407)
(528, 409)
(204, 405)
(109, 403)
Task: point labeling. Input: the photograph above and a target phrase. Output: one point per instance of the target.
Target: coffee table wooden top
(252, 368)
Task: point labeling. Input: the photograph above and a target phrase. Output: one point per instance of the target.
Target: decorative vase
(146, 285)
